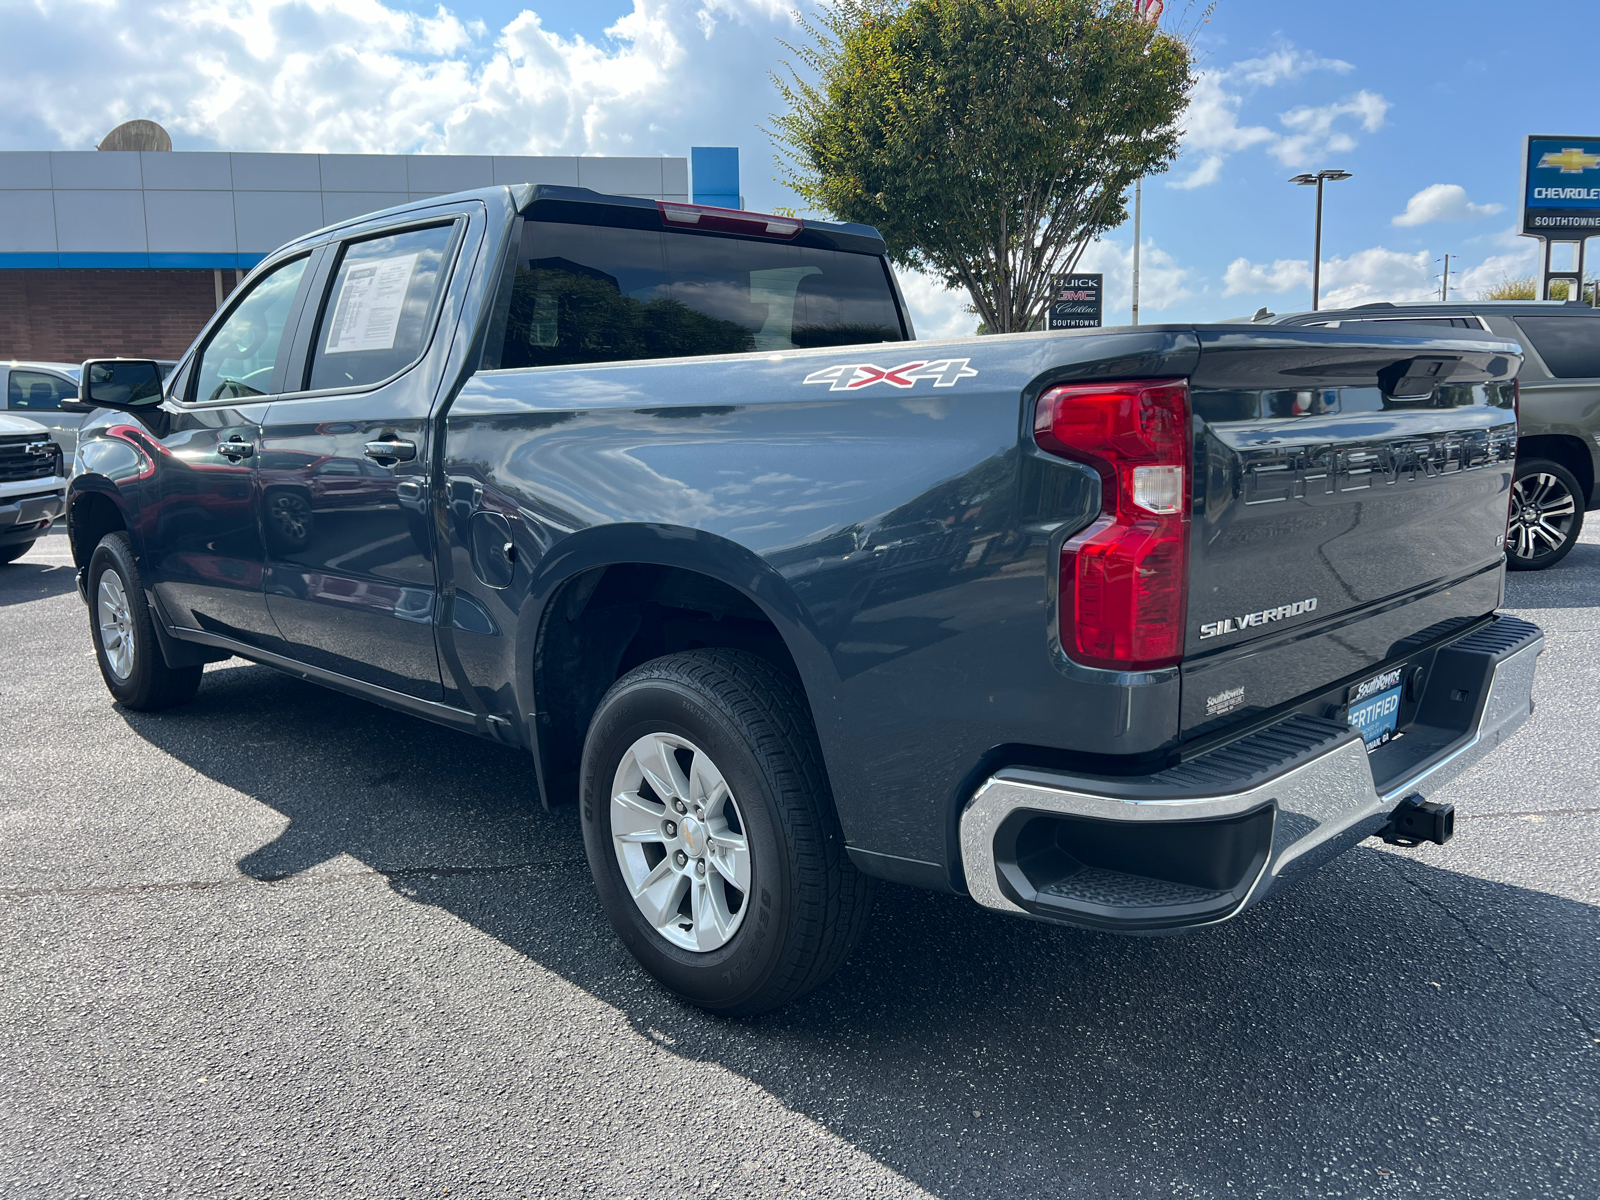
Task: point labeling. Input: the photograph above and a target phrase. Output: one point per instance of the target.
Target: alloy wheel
(1542, 512)
(116, 625)
(681, 843)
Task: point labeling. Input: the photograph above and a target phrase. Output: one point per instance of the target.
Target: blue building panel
(102, 259)
(714, 172)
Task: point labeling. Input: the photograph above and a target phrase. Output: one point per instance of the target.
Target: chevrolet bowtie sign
(1561, 189)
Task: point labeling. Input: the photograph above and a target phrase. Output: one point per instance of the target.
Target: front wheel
(711, 834)
(1546, 515)
(124, 635)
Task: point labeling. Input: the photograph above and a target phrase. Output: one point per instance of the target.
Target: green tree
(988, 140)
(1526, 287)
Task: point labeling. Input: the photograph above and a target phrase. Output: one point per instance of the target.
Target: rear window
(1570, 346)
(586, 293)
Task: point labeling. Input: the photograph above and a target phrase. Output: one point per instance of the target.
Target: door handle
(236, 448)
(393, 451)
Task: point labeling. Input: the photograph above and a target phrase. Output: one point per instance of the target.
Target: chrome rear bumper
(1302, 792)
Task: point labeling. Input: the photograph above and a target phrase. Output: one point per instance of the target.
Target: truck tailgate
(1349, 506)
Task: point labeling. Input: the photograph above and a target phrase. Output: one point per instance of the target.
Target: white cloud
(1373, 274)
(360, 75)
(1287, 62)
(1376, 273)
(1313, 132)
(1466, 283)
(1161, 279)
(1443, 202)
(1244, 277)
(936, 311)
(1212, 130)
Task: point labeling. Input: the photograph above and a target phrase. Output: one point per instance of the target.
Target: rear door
(345, 459)
(1350, 493)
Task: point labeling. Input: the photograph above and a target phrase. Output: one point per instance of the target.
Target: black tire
(148, 683)
(1546, 515)
(10, 554)
(808, 904)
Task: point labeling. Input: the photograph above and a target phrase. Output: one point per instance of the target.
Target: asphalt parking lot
(281, 942)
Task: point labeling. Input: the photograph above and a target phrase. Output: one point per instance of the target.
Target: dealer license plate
(1375, 707)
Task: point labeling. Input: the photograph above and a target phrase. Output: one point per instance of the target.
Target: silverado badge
(1283, 612)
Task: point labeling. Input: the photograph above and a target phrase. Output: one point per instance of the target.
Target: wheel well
(1570, 452)
(605, 621)
(92, 517)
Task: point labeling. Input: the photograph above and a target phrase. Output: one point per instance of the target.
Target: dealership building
(128, 252)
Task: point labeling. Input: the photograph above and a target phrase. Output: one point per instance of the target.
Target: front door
(344, 469)
(201, 534)
(37, 394)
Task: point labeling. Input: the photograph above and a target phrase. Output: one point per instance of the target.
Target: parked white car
(35, 390)
(33, 484)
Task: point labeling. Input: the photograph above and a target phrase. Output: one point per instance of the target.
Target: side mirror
(126, 384)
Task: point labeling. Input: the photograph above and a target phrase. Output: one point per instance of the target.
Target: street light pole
(1317, 181)
(1137, 185)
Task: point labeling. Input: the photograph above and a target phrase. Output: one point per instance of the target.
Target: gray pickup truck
(1123, 629)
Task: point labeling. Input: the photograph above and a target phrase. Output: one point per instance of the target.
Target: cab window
(379, 312)
(239, 356)
(35, 391)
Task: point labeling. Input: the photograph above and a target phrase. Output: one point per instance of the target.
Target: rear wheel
(1546, 515)
(711, 834)
(10, 554)
(124, 635)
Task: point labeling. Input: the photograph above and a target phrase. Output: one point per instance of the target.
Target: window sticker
(367, 315)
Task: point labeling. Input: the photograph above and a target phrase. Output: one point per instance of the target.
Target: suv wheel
(124, 635)
(711, 834)
(10, 554)
(1546, 515)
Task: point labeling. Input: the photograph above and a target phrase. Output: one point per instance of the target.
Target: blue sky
(1425, 102)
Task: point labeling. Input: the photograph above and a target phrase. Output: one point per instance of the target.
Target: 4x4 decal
(849, 377)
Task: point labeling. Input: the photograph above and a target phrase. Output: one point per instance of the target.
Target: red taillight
(1125, 579)
(729, 220)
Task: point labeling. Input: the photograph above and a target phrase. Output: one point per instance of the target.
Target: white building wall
(106, 208)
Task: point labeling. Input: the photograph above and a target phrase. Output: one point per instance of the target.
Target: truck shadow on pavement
(1387, 1028)
(25, 582)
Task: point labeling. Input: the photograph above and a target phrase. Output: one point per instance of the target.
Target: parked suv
(1558, 452)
